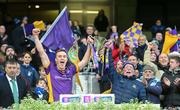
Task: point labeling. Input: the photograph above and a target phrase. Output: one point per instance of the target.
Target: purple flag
(60, 34)
(28, 29)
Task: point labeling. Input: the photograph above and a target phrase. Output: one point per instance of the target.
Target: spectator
(101, 21)
(157, 27)
(152, 84)
(125, 86)
(83, 42)
(3, 47)
(3, 35)
(103, 70)
(19, 35)
(42, 73)
(2, 60)
(28, 71)
(138, 67)
(171, 84)
(10, 53)
(150, 58)
(159, 37)
(10, 85)
(78, 29)
(141, 47)
(40, 91)
(113, 33)
(154, 48)
(163, 63)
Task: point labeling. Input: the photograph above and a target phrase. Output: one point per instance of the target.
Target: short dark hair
(10, 61)
(176, 58)
(41, 79)
(24, 53)
(9, 46)
(61, 50)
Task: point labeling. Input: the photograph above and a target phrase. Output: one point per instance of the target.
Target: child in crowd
(41, 90)
(42, 73)
(28, 71)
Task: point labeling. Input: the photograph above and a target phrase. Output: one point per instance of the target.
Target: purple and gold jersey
(58, 82)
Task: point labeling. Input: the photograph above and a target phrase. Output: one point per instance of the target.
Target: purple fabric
(114, 35)
(28, 29)
(138, 31)
(175, 47)
(125, 33)
(95, 58)
(60, 34)
(61, 83)
(174, 32)
(131, 34)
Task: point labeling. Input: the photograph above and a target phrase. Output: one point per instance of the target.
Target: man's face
(133, 60)
(61, 59)
(163, 59)
(159, 36)
(10, 52)
(128, 70)
(148, 74)
(173, 64)
(158, 22)
(89, 30)
(11, 70)
(141, 41)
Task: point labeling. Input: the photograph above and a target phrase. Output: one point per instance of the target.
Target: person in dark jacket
(157, 27)
(142, 46)
(171, 84)
(103, 70)
(101, 21)
(125, 86)
(12, 88)
(152, 84)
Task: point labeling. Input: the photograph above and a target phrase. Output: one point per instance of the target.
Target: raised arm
(44, 58)
(86, 57)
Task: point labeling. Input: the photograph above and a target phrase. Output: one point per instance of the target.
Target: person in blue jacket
(28, 71)
(152, 84)
(125, 86)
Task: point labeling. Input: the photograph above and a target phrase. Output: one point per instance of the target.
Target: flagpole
(54, 23)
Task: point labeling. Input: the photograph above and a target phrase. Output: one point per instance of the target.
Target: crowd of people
(143, 73)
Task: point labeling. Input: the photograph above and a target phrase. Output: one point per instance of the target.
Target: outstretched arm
(44, 58)
(86, 57)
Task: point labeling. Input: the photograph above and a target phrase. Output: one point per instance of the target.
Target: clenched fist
(35, 32)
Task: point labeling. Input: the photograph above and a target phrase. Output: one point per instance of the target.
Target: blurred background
(119, 12)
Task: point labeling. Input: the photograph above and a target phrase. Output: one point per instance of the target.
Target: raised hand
(90, 39)
(35, 32)
(150, 45)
